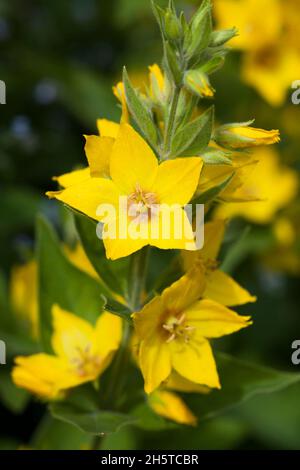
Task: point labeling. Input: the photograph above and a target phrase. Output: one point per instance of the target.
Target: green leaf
(240, 381)
(150, 421)
(53, 434)
(14, 398)
(194, 137)
(214, 64)
(172, 63)
(118, 309)
(212, 193)
(276, 418)
(62, 283)
(113, 273)
(90, 419)
(140, 114)
(18, 209)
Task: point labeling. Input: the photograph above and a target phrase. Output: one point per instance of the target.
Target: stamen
(177, 328)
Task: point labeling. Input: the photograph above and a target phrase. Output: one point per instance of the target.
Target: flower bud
(241, 135)
(198, 83)
(219, 38)
(173, 28)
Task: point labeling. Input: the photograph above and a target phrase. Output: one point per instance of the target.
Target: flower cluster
(166, 152)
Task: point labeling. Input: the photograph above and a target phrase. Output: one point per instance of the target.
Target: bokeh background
(59, 60)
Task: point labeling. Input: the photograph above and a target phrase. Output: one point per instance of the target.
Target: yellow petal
(213, 237)
(276, 184)
(117, 247)
(71, 334)
(171, 406)
(119, 92)
(177, 180)
(171, 229)
(41, 374)
(184, 292)
(195, 362)
(132, 161)
(257, 136)
(98, 151)
(149, 318)
(221, 288)
(74, 177)
(108, 128)
(108, 333)
(258, 21)
(154, 359)
(157, 75)
(88, 195)
(180, 384)
(213, 320)
(24, 294)
(78, 257)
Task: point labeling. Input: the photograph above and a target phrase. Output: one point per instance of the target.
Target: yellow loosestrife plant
(146, 308)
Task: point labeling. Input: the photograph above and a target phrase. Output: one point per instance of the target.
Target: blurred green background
(59, 60)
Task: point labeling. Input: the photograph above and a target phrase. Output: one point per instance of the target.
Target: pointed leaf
(194, 137)
(240, 381)
(90, 420)
(62, 283)
(140, 114)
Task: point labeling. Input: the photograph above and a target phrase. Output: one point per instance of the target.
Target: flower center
(141, 203)
(177, 328)
(210, 265)
(86, 363)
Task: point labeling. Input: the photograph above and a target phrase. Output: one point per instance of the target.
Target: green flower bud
(243, 136)
(218, 38)
(198, 83)
(173, 29)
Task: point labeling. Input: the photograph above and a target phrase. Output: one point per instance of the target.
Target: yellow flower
(219, 287)
(82, 353)
(23, 294)
(239, 136)
(272, 70)
(137, 176)
(169, 405)
(258, 21)
(275, 185)
(23, 285)
(268, 33)
(173, 330)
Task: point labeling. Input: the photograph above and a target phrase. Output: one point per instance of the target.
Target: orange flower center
(86, 363)
(177, 328)
(141, 204)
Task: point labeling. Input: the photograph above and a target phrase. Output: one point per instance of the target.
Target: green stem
(171, 121)
(138, 271)
(96, 443)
